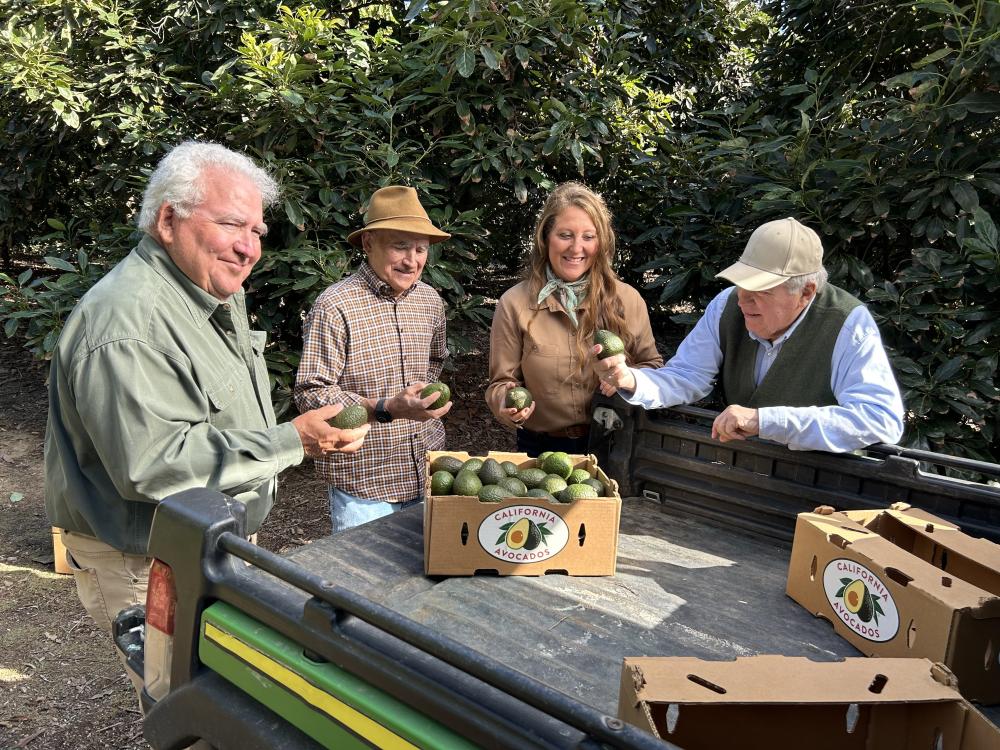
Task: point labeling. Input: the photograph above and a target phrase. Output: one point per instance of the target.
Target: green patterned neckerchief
(569, 293)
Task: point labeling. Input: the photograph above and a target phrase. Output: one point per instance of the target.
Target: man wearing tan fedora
(376, 338)
(796, 359)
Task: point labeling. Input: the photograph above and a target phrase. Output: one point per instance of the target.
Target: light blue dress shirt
(869, 407)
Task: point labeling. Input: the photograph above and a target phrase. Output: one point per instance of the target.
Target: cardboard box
(778, 702)
(902, 582)
(464, 536)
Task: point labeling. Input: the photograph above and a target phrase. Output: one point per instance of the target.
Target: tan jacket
(535, 346)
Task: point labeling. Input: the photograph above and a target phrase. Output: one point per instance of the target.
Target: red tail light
(161, 598)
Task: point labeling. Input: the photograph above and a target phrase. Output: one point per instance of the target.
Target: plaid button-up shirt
(362, 342)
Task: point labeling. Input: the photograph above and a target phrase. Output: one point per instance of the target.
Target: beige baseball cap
(775, 252)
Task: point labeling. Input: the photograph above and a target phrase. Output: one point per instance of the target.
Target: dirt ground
(61, 685)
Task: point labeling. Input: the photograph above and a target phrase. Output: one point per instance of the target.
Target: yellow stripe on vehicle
(350, 717)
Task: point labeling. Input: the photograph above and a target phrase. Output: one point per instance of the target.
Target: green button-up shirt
(155, 387)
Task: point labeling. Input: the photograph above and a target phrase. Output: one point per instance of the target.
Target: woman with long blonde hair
(544, 326)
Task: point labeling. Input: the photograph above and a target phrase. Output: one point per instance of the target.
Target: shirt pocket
(544, 368)
(221, 394)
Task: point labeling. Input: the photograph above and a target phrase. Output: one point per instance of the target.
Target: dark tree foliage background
(877, 124)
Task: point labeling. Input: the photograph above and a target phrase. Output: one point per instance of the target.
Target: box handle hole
(898, 576)
(878, 683)
(706, 684)
(946, 582)
(582, 536)
(911, 634)
(812, 569)
(465, 534)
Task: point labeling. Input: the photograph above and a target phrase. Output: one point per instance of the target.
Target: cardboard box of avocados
(770, 702)
(521, 535)
(902, 582)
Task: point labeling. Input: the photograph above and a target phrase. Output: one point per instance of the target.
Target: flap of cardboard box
(789, 680)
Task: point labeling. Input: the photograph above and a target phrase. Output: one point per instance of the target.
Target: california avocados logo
(523, 534)
(861, 600)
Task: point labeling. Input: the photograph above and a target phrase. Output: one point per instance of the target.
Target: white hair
(177, 179)
(796, 284)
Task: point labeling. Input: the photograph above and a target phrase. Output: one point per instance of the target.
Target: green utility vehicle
(345, 643)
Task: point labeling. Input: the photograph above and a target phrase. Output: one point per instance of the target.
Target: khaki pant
(107, 581)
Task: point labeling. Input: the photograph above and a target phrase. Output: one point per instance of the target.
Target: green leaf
(522, 54)
(932, 57)
(416, 7)
(10, 327)
(489, 57)
(56, 224)
(466, 62)
(980, 103)
(294, 213)
(293, 97)
(948, 370)
(965, 195)
(986, 230)
(61, 264)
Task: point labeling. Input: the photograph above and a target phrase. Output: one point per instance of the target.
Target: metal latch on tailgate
(608, 419)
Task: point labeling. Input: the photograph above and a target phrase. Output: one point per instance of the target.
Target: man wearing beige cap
(796, 360)
(376, 338)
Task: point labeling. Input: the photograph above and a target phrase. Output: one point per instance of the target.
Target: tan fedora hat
(775, 252)
(397, 207)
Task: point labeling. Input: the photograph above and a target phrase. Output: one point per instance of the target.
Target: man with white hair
(157, 384)
(797, 360)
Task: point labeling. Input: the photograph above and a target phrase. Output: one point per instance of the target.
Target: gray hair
(177, 179)
(796, 284)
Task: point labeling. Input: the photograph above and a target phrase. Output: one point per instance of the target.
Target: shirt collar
(791, 329)
(379, 287)
(200, 304)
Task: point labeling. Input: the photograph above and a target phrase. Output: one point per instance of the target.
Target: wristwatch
(381, 415)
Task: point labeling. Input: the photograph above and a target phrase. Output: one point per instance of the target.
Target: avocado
(558, 463)
(577, 492)
(446, 463)
(532, 478)
(610, 343)
(518, 398)
(466, 483)
(473, 465)
(491, 493)
(510, 467)
(598, 485)
(514, 486)
(517, 534)
(350, 417)
(443, 391)
(854, 596)
(540, 493)
(553, 483)
(491, 472)
(542, 457)
(578, 476)
(441, 483)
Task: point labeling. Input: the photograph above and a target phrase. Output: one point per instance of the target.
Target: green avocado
(577, 492)
(541, 494)
(446, 463)
(510, 467)
(578, 476)
(350, 417)
(491, 493)
(598, 485)
(491, 472)
(558, 463)
(532, 478)
(518, 398)
(553, 483)
(610, 343)
(466, 483)
(867, 610)
(473, 465)
(534, 536)
(441, 483)
(514, 486)
(443, 391)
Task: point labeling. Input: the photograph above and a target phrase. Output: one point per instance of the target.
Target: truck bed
(684, 587)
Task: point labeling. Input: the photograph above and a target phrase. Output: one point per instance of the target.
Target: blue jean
(348, 511)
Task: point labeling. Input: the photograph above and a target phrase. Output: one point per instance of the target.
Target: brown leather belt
(573, 431)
